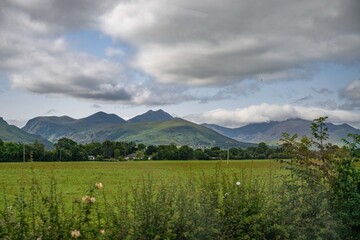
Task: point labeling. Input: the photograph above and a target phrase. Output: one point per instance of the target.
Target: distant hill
(150, 128)
(271, 132)
(151, 116)
(54, 128)
(177, 131)
(10, 133)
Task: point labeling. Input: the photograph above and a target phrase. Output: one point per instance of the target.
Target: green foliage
(330, 185)
(353, 145)
(215, 205)
(347, 197)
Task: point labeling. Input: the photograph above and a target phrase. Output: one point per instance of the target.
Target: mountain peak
(102, 117)
(152, 116)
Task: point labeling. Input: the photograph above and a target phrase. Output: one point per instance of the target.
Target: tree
(11, 152)
(117, 153)
(69, 150)
(186, 153)
(65, 143)
(353, 145)
(151, 150)
(199, 154)
(320, 135)
(38, 151)
(141, 147)
(93, 149)
(108, 149)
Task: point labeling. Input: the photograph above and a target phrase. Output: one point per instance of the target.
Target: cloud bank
(271, 112)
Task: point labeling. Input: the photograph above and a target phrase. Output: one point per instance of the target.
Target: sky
(229, 62)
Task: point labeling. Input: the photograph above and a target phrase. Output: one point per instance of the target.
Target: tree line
(68, 150)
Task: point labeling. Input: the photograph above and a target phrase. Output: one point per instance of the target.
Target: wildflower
(225, 195)
(99, 185)
(238, 183)
(102, 231)
(88, 199)
(85, 199)
(75, 233)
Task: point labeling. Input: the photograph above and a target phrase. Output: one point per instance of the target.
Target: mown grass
(139, 200)
(73, 177)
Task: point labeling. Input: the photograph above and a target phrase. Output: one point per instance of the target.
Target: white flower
(75, 233)
(88, 199)
(225, 195)
(99, 185)
(238, 183)
(102, 231)
(85, 199)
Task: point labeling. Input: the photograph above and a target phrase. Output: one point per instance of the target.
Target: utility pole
(228, 153)
(23, 152)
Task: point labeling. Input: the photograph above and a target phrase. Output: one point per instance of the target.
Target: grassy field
(74, 178)
(244, 199)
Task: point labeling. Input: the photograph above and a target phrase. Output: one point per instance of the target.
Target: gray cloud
(177, 44)
(61, 16)
(192, 43)
(352, 94)
(37, 58)
(96, 105)
(231, 92)
(50, 111)
(322, 90)
(304, 99)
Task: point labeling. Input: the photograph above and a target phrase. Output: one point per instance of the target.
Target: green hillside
(151, 128)
(54, 128)
(10, 133)
(176, 131)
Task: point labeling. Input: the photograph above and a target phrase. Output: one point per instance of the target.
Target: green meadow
(74, 178)
(238, 199)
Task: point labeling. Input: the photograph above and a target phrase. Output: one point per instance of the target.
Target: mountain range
(159, 127)
(270, 132)
(150, 128)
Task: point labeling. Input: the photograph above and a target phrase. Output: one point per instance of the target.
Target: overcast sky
(228, 62)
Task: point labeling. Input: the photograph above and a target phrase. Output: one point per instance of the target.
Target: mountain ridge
(11, 133)
(270, 132)
(151, 128)
(159, 127)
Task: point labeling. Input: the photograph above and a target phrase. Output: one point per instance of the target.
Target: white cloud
(36, 57)
(48, 67)
(268, 112)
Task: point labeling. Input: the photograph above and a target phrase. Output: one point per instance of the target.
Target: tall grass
(211, 206)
